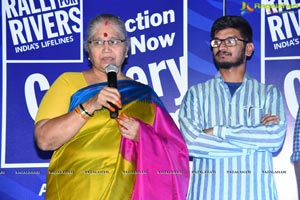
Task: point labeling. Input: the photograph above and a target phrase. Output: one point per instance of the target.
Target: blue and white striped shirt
(236, 162)
(296, 145)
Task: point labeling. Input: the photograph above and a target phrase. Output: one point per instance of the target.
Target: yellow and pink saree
(98, 163)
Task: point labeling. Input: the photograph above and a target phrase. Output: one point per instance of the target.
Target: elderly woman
(138, 155)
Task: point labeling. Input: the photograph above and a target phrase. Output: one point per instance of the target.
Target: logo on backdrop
(39, 25)
(270, 6)
(246, 8)
(283, 21)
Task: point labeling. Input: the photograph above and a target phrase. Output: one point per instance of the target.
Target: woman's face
(107, 46)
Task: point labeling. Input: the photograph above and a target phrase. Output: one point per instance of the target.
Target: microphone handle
(114, 114)
(112, 82)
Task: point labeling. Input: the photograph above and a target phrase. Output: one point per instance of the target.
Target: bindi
(106, 22)
(105, 34)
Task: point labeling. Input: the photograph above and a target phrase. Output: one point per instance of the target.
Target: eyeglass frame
(110, 42)
(226, 43)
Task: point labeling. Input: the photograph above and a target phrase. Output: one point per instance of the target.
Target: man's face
(231, 51)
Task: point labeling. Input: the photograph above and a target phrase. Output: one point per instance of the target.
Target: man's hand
(209, 131)
(270, 119)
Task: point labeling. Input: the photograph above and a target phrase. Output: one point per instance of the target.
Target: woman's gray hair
(101, 19)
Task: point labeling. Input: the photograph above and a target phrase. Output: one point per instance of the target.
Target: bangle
(82, 114)
(81, 108)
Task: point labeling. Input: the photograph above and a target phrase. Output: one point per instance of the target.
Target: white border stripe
(3, 130)
(283, 58)
(262, 46)
(185, 32)
(43, 61)
(4, 88)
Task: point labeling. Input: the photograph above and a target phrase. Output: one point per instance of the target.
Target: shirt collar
(218, 76)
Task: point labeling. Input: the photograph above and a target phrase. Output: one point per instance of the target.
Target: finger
(274, 119)
(271, 119)
(116, 102)
(111, 90)
(124, 118)
(124, 130)
(125, 133)
(264, 117)
(124, 122)
(110, 95)
(113, 93)
(110, 107)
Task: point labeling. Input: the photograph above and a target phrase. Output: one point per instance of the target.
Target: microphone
(111, 71)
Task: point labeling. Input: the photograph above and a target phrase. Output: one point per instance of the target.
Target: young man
(232, 123)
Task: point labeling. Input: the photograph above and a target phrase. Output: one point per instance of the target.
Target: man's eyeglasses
(229, 42)
(111, 42)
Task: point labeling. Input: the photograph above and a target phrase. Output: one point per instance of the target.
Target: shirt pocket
(252, 114)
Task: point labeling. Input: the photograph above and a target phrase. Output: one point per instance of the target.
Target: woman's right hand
(103, 99)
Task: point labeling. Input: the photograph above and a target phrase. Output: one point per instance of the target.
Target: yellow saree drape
(90, 165)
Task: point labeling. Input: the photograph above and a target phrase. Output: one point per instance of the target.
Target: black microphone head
(111, 68)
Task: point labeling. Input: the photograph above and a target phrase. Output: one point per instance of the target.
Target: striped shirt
(235, 163)
(296, 145)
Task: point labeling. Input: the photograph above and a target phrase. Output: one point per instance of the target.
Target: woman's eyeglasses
(111, 42)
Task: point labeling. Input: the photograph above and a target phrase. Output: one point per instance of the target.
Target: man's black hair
(235, 22)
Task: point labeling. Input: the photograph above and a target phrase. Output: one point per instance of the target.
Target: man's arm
(191, 120)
